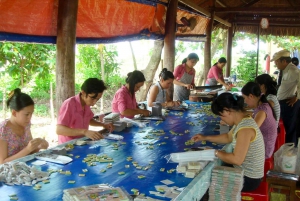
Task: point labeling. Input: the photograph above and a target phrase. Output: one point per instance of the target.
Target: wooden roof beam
(267, 16)
(251, 3)
(257, 10)
(203, 11)
(274, 23)
(221, 3)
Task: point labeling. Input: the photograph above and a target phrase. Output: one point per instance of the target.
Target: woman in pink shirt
(75, 114)
(15, 136)
(184, 77)
(215, 74)
(124, 101)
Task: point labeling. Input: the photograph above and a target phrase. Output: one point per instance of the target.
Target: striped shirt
(253, 164)
(276, 106)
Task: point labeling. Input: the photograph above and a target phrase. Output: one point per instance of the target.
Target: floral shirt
(15, 143)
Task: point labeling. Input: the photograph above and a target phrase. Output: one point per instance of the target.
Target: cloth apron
(182, 93)
(211, 82)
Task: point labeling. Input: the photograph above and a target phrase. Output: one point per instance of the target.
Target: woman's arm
(271, 103)
(188, 86)
(244, 137)
(132, 112)
(67, 131)
(224, 138)
(260, 118)
(109, 126)
(32, 146)
(152, 95)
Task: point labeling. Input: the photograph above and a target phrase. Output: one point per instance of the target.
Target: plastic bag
(285, 158)
(136, 123)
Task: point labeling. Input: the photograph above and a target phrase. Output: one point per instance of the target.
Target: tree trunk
(133, 57)
(51, 103)
(4, 103)
(102, 61)
(150, 70)
(65, 50)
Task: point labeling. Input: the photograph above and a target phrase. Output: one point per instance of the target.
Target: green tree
(246, 68)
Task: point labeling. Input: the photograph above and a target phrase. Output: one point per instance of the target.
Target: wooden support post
(257, 59)
(207, 46)
(229, 51)
(65, 53)
(169, 42)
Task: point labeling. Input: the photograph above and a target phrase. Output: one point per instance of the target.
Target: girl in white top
(268, 87)
(158, 92)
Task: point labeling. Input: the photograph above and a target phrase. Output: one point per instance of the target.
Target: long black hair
(221, 60)
(133, 78)
(190, 56)
(229, 101)
(93, 86)
(165, 74)
(270, 84)
(18, 100)
(254, 89)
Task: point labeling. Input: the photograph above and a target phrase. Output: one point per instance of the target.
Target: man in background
(288, 94)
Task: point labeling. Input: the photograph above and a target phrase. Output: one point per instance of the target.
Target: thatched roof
(245, 15)
(101, 21)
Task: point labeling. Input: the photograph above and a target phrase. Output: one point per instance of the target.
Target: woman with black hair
(124, 101)
(184, 77)
(269, 87)
(215, 74)
(75, 115)
(158, 92)
(263, 115)
(245, 137)
(15, 135)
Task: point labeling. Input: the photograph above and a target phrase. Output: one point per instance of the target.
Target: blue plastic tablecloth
(179, 127)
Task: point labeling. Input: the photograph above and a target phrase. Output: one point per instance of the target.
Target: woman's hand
(44, 144)
(227, 87)
(188, 86)
(33, 144)
(146, 113)
(177, 103)
(198, 137)
(94, 135)
(109, 127)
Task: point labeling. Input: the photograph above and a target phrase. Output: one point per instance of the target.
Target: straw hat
(281, 53)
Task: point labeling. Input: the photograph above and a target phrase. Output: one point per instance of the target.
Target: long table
(179, 127)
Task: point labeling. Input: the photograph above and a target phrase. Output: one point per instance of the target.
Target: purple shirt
(268, 129)
(123, 100)
(72, 115)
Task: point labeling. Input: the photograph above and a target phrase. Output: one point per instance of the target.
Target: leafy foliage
(246, 68)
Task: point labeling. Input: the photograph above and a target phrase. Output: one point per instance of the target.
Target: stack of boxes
(226, 184)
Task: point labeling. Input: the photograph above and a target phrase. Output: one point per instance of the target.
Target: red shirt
(180, 70)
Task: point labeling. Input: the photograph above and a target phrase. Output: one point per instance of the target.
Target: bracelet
(216, 153)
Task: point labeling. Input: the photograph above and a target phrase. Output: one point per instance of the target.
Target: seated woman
(15, 135)
(75, 114)
(184, 77)
(268, 87)
(263, 115)
(245, 137)
(124, 101)
(215, 74)
(158, 92)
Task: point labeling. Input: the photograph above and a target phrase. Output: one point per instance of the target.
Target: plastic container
(205, 155)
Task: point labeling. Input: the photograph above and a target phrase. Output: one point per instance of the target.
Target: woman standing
(245, 137)
(158, 92)
(215, 74)
(15, 135)
(268, 87)
(124, 101)
(263, 115)
(184, 77)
